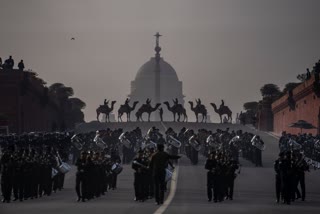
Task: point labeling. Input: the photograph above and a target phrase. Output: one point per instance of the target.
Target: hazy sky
(220, 49)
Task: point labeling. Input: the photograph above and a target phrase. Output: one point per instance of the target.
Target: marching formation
(297, 154)
(32, 165)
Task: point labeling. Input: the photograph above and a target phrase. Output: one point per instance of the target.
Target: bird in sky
(72, 38)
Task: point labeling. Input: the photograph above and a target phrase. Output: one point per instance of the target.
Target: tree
(290, 86)
(60, 91)
(77, 103)
(270, 91)
(251, 106)
(70, 108)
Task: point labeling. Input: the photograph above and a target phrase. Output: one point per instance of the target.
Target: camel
(104, 109)
(223, 110)
(146, 108)
(177, 109)
(126, 109)
(199, 109)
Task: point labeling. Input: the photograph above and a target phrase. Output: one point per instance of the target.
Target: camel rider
(127, 101)
(105, 102)
(175, 101)
(148, 101)
(222, 104)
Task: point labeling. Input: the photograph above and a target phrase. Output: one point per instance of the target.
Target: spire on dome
(157, 48)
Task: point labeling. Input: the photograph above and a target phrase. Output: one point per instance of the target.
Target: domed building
(158, 81)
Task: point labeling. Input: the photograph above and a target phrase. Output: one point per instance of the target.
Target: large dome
(148, 69)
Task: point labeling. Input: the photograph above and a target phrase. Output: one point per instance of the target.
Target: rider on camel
(222, 104)
(105, 102)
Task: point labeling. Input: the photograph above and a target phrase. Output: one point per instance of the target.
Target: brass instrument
(77, 142)
(125, 141)
(211, 142)
(255, 141)
(173, 141)
(140, 164)
(317, 145)
(294, 145)
(99, 142)
(312, 163)
(194, 143)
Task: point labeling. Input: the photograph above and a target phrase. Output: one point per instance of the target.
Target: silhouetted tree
(70, 108)
(290, 86)
(251, 106)
(270, 91)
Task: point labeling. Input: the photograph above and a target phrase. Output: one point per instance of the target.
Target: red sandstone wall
(25, 113)
(307, 108)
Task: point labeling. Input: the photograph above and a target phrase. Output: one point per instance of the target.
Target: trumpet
(77, 142)
(173, 141)
(255, 141)
(99, 142)
(194, 143)
(125, 141)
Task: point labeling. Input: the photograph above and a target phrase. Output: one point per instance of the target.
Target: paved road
(254, 193)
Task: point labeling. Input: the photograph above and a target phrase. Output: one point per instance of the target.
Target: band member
(210, 166)
(81, 177)
(158, 165)
(277, 176)
(302, 166)
(232, 165)
(140, 177)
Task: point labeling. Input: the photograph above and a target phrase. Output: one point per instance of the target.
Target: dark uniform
(158, 165)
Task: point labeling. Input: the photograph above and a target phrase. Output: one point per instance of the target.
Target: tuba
(77, 142)
(235, 141)
(173, 141)
(99, 142)
(255, 141)
(317, 145)
(212, 143)
(125, 141)
(194, 143)
(294, 145)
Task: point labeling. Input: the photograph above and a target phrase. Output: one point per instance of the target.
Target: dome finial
(157, 48)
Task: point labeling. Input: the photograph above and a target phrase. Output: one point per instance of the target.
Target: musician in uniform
(115, 159)
(278, 176)
(82, 177)
(7, 169)
(286, 177)
(302, 167)
(158, 165)
(210, 166)
(232, 165)
(139, 165)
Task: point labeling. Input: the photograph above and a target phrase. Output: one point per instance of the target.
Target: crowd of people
(297, 154)
(8, 64)
(30, 165)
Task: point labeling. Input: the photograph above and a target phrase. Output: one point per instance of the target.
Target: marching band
(35, 164)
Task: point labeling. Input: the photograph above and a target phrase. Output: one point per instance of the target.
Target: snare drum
(116, 168)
